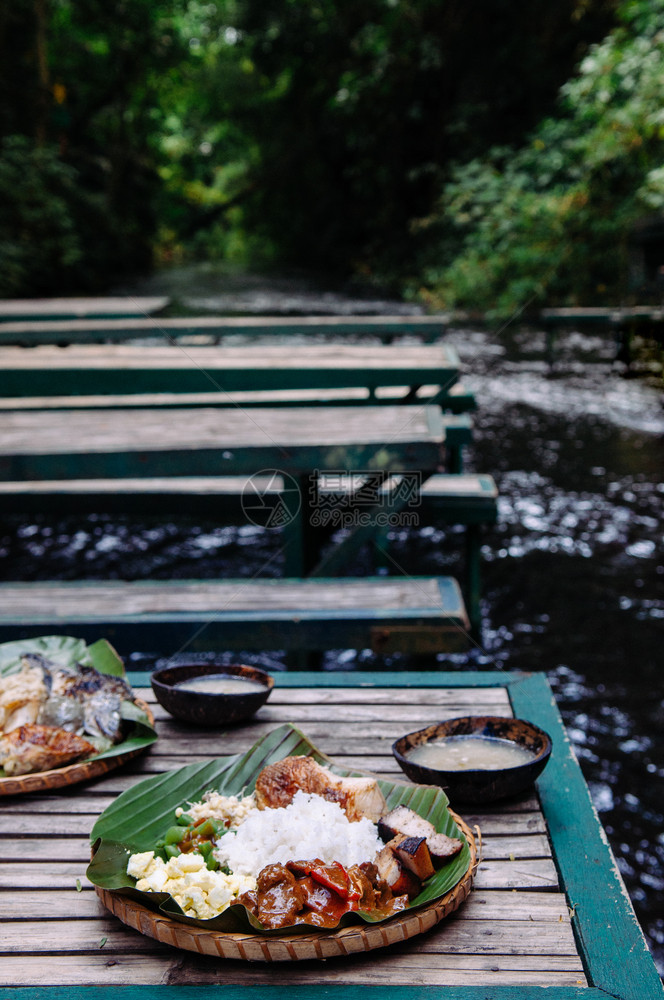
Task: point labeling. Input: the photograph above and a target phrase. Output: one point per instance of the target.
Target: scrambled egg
(201, 893)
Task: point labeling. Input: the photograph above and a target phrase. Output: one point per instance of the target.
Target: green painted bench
(118, 307)
(122, 443)
(624, 323)
(302, 442)
(93, 375)
(444, 499)
(414, 615)
(79, 331)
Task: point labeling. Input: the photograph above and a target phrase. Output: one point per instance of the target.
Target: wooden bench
(212, 328)
(119, 307)
(444, 499)
(118, 444)
(624, 323)
(93, 375)
(414, 615)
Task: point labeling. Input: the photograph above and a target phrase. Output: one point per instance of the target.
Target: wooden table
(548, 917)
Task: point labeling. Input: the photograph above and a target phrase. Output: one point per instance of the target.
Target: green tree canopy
(358, 136)
(551, 219)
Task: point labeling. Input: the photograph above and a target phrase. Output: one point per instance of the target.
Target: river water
(573, 576)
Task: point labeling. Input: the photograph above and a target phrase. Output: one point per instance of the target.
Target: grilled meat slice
(39, 748)
(277, 784)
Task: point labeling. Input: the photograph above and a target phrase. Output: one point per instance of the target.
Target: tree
(82, 78)
(551, 220)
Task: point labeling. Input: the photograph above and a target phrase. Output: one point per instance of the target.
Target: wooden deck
(547, 918)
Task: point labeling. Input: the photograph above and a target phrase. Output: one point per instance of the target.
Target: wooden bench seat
(236, 375)
(445, 499)
(118, 307)
(457, 399)
(121, 443)
(450, 499)
(212, 328)
(387, 615)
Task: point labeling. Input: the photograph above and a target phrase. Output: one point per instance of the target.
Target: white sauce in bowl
(463, 753)
(220, 684)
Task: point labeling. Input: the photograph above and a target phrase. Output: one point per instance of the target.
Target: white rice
(310, 827)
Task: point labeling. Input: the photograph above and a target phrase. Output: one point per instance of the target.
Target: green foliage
(315, 133)
(363, 103)
(551, 220)
(78, 180)
(39, 243)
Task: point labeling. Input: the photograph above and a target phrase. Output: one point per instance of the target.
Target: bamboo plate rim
(254, 947)
(71, 774)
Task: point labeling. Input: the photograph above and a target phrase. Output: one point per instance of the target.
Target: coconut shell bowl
(477, 784)
(175, 690)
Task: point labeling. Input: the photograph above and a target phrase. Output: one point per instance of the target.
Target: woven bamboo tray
(71, 774)
(295, 947)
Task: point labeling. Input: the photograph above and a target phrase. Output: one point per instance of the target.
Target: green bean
(174, 835)
(207, 829)
(184, 819)
(172, 850)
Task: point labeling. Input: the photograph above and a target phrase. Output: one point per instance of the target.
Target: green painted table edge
(590, 874)
(318, 992)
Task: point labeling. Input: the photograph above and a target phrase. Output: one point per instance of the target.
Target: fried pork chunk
(277, 784)
(405, 822)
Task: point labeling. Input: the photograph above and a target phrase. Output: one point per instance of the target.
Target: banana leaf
(135, 820)
(67, 651)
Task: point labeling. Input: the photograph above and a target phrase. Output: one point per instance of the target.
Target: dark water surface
(573, 571)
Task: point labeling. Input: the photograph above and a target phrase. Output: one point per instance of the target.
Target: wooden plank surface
(80, 307)
(208, 441)
(451, 398)
(443, 486)
(405, 358)
(514, 931)
(130, 430)
(417, 614)
(263, 596)
(90, 330)
(126, 369)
